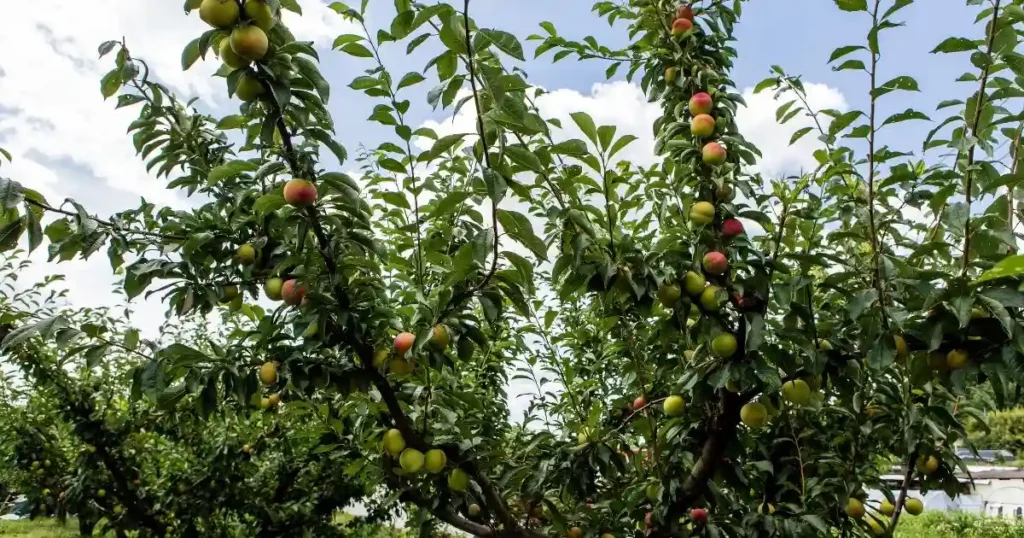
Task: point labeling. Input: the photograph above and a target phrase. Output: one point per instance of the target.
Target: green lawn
(957, 525)
(44, 528)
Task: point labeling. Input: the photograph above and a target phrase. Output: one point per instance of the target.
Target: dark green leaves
(518, 227)
(955, 44)
(505, 42)
(903, 83)
(852, 5)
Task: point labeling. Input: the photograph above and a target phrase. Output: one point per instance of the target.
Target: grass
(42, 528)
(958, 525)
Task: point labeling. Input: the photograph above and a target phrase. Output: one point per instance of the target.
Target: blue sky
(68, 142)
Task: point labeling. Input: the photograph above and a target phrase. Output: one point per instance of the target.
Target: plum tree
(548, 259)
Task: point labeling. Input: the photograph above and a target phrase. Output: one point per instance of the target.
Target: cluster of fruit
(411, 461)
(244, 40)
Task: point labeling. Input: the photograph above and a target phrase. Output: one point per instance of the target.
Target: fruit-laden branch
(903, 493)
(448, 516)
(364, 351)
(978, 107)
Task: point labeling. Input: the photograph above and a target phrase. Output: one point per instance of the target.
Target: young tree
(691, 378)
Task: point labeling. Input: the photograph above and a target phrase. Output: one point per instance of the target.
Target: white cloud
(758, 125)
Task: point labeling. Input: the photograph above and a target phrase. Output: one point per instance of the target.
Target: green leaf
(449, 204)
(232, 122)
(906, 115)
(843, 121)
(410, 79)
(268, 203)
(11, 193)
(131, 339)
(395, 199)
(45, 328)
(573, 147)
(496, 185)
(1012, 266)
(852, 5)
(230, 169)
(345, 39)
(190, 54)
(586, 124)
(525, 158)
(505, 42)
(799, 134)
(843, 51)
(35, 229)
(10, 233)
(903, 83)
(955, 44)
(110, 83)
(1015, 62)
(518, 227)
(357, 50)
(621, 143)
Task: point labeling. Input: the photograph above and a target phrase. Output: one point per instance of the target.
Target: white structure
(994, 491)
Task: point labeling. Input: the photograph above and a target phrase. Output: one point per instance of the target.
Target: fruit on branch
(724, 345)
(979, 313)
(274, 399)
(702, 213)
(685, 12)
(713, 154)
(260, 13)
(649, 519)
(680, 27)
(702, 126)
(674, 406)
(192, 5)
(575, 532)
(653, 492)
(709, 299)
(956, 359)
(887, 508)
(436, 460)
(726, 192)
(715, 263)
(668, 294)
(639, 403)
(229, 56)
(246, 254)
(732, 228)
(913, 506)
(473, 510)
(607, 535)
(264, 403)
(411, 460)
(854, 508)
(458, 480)
(671, 74)
(701, 103)
(403, 343)
(585, 436)
(380, 358)
(293, 292)
(688, 354)
(694, 283)
(699, 516)
(754, 414)
(249, 88)
(101, 493)
(402, 367)
(766, 509)
(796, 392)
(824, 345)
(927, 465)
(300, 192)
(876, 527)
(394, 442)
(268, 373)
(228, 293)
(250, 42)
(440, 338)
(272, 288)
(247, 449)
(312, 330)
(732, 386)
(219, 13)
(901, 347)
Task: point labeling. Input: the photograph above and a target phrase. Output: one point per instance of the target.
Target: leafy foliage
(787, 363)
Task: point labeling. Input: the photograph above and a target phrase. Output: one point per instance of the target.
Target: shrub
(1006, 431)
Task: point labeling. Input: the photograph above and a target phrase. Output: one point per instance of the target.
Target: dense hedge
(958, 525)
(1006, 431)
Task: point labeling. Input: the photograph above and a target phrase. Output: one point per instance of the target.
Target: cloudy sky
(68, 142)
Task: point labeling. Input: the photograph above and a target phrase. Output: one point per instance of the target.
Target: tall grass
(958, 525)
